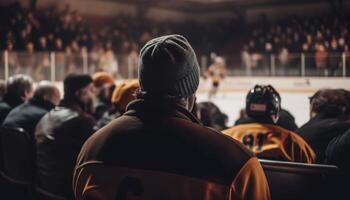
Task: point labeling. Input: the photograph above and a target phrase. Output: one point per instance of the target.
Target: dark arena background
(299, 47)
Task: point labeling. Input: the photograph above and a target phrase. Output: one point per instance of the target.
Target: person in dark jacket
(338, 150)
(61, 133)
(158, 149)
(210, 115)
(27, 115)
(19, 88)
(328, 119)
(2, 89)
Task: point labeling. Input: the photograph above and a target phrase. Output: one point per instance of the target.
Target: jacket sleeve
(250, 183)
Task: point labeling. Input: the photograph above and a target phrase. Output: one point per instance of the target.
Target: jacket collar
(41, 103)
(12, 101)
(155, 109)
(248, 120)
(72, 104)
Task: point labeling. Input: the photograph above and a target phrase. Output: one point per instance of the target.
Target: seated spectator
(210, 115)
(121, 97)
(158, 146)
(27, 115)
(61, 133)
(2, 89)
(19, 88)
(286, 120)
(263, 136)
(328, 119)
(338, 150)
(104, 84)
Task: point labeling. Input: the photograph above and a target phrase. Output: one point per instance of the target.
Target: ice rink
(294, 91)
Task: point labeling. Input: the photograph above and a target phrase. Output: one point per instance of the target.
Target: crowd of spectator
(111, 47)
(43, 30)
(300, 35)
(139, 123)
(323, 40)
(55, 29)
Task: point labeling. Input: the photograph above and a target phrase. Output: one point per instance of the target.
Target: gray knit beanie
(168, 66)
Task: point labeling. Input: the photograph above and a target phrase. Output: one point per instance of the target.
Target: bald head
(48, 91)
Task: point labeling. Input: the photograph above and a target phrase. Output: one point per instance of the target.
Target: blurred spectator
(122, 95)
(211, 116)
(328, 119)
(284, 58)
(108, 61)
(19, 88)
(338, 150)
(266, 139)
(104, 85)
(61, 133)
(2, 89)
(27, 115)
(334, 58)
(321, 59)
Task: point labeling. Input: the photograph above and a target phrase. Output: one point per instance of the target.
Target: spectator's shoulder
(4, 106)
(232, 151)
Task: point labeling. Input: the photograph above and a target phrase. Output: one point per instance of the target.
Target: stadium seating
(41, 194)
(17, 174)
(291, 180)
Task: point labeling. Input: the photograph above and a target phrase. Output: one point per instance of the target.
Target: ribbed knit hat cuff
(188, 85)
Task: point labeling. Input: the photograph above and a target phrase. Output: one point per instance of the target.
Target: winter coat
(59, 136)
(158, 150)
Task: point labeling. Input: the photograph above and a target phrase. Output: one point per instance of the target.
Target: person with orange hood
(104, 84)
(122, 95)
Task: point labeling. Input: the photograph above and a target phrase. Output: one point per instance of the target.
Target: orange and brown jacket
(272, 142)
(160, 151)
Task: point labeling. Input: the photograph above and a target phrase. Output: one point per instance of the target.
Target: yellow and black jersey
(272, 142)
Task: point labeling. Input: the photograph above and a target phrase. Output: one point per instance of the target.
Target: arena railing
(296, 64)
(56, 65)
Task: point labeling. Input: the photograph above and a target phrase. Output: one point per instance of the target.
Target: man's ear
(191, 100)
(24, 97)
